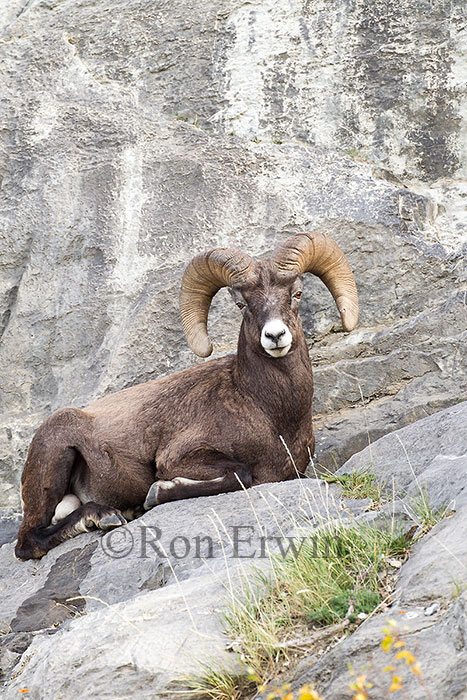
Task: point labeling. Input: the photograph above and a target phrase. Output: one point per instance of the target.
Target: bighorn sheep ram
(209, 429)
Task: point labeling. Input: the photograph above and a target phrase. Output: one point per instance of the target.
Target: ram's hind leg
(46, 479)
(236, 478)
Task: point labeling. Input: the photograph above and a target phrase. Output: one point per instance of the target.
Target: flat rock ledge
(128, 613)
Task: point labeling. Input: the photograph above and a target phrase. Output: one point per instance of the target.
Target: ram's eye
(240, 305)
(298, 295)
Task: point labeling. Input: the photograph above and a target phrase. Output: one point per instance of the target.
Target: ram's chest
(276, 454)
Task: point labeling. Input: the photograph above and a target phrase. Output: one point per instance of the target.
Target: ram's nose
(275, 336)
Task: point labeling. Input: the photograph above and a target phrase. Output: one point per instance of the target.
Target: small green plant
(356, 154)
(358, 484)
(255, 139)
(187, 119)
(218, 684)
(346, 605)
(424, 513)
(458, 588)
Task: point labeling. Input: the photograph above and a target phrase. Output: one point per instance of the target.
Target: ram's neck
(282, 387)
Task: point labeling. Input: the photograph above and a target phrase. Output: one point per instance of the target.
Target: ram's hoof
(151, 498)
(155, 492)
(111, 520)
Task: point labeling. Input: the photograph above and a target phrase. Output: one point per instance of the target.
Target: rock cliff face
(135, 134)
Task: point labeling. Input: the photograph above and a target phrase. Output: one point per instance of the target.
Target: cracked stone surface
(134, 135)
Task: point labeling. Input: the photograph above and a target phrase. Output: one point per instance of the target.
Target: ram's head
(267, 292)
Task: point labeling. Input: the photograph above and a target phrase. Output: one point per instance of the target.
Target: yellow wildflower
(387, 642)
(396, 684)
(416, 668)
(361, 685)
(308, 693)
(407, 656)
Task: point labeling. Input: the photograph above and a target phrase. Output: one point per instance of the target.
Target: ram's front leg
(232, 477)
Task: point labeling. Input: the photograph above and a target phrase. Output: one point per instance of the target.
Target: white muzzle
(276, 338)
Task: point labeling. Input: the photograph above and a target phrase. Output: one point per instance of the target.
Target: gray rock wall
(134, 135)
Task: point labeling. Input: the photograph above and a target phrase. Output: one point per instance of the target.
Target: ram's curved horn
(315, 252)
(204, 276)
